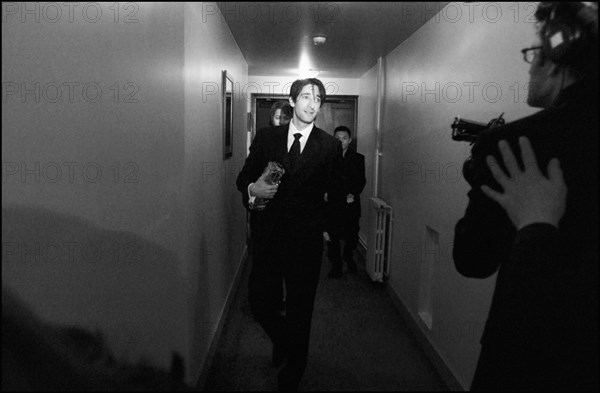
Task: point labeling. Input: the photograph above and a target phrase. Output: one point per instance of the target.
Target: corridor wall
(464, 62)
(118, 211)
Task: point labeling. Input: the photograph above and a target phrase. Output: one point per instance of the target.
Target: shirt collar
(305, 133)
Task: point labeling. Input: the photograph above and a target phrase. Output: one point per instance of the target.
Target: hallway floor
(359, 342)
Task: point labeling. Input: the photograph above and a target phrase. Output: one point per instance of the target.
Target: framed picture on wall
(227, 99)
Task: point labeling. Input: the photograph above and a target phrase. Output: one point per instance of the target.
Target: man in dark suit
(542, 328)
(344, 211)
(287, 236)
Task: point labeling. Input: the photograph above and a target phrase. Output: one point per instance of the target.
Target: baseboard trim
(201, 381)
(432, 354)
(434, 357)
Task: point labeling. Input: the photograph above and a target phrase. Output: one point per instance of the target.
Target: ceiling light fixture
(302, 74)
(319, 40)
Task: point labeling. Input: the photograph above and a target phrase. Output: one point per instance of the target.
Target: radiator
(380, 237)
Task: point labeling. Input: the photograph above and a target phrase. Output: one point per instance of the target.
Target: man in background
(344, 211)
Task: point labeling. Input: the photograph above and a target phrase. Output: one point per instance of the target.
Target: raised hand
(529, 197)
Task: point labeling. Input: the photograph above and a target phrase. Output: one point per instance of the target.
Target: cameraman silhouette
(542, 328)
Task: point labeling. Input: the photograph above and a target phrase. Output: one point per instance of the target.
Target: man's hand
(529, 196)
(262, 189)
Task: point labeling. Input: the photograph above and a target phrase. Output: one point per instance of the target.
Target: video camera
(468, 130)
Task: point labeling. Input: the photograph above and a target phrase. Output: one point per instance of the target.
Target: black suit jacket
(300, 196)
(544, 310)
(353, 182)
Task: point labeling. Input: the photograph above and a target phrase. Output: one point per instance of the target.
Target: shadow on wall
(37, 355)
(73, 273)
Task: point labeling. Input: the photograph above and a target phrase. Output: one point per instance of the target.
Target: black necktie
(295, 151)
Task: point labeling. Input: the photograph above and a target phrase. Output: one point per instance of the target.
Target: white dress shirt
(305, 134)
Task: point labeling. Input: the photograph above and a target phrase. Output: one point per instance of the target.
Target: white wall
(215, 216)
(428, 81)
(97, 246)
(367, 142)
(143, 211)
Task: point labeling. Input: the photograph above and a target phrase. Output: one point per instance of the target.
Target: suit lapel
(281, 147)
(310, 149)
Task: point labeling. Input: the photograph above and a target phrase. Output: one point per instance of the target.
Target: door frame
(255, 96)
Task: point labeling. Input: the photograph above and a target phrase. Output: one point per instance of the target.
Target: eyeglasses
(529, 54)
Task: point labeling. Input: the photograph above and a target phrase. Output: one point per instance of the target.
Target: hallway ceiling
(273, 35)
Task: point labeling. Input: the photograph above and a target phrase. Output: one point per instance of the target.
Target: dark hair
(283, 105)
(575, 26)
(299, 84)
(344, 129)
(286, 110)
